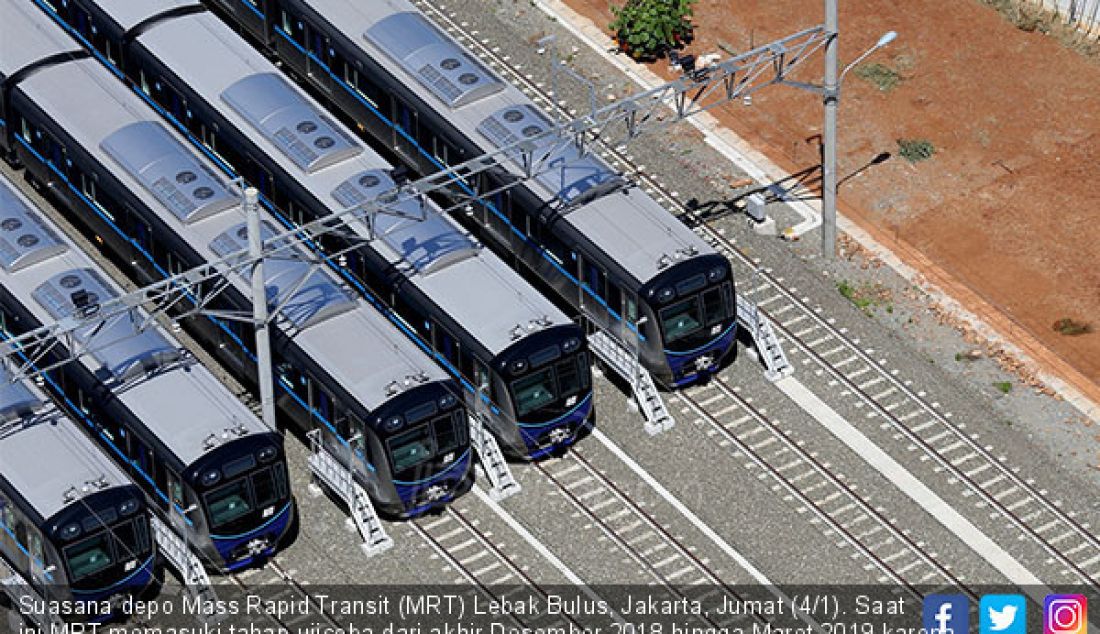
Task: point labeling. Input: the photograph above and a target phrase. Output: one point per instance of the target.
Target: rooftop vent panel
(289, 121)
(24, 238)
(572, 177)
(305, 296)
(169, 171)
(119, 344)
(435, 60)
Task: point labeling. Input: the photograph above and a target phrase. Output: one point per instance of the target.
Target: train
(607, 248)
(523, 363)
(216, 474)
(78, 532)
(196, 451)
(384, 409)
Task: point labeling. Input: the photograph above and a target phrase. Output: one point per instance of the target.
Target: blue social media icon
(1002, 614)
(945, 614)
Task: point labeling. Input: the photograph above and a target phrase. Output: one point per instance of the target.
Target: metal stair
(340, 481)
(15, 586)
(176, 551)
(764, 338)
(619, 359)
(492, 461)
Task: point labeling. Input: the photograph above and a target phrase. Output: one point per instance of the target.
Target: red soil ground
(1008, 206)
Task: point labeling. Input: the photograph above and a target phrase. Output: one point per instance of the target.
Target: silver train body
(604, 245)
(383, 407)
(522, 361)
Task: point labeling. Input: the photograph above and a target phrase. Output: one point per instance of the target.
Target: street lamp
(831, 96)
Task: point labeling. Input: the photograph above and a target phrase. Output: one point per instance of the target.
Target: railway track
(286, 589)
(815, 342)
(482, 564)
(734, 423)
(635, 531)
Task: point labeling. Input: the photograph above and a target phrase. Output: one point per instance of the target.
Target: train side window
(87, 185)
(35, 548)
(445, 344)
(319, 45)
(351, 75)
(25, 129)
(7, 516)
(615, 298)
(631, 309)
(160, 473)
(175, 490)
(481, 376)
(404, 117)
(466, 363)
(83, 22)
(595, 279)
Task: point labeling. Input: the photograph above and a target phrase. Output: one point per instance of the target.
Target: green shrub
(881, 75)
(649, 28)
(914, 150)
(1071, 327)
(1004, 386)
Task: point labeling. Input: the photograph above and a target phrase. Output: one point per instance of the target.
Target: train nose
(435, 493)
(558, 436)
(257, 546)
(704, 362)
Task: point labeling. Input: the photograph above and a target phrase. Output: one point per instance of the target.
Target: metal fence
(1084, 14)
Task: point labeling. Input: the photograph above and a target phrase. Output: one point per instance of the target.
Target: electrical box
(754, 207)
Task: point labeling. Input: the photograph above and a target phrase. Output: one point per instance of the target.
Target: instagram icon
(1065, 614)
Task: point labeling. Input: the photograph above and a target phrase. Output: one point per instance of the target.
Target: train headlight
(267, 454)
(716, 274)
(518, 367)
(70, 531)
(393, 424)
(665, 294)
(447, 401)
(128, 507)
(570, 345)
(210, 477)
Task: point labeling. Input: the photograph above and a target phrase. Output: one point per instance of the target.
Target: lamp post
(831, 96)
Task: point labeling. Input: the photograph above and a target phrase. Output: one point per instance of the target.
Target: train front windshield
(445, 434)
(247, 489)
(694, 319)
(552, 384)
(97, 549)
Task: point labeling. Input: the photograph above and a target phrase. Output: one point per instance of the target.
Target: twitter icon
(1002, 614)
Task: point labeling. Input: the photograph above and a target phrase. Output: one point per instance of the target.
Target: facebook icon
(946, 614)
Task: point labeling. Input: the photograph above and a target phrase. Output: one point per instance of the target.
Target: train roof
(356, 344)
(34, 433)
(182, 403)
(29, 36)
(130, 13)
(631, 227)
(434, 253)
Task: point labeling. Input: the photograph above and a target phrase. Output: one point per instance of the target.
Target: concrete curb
(905, 260)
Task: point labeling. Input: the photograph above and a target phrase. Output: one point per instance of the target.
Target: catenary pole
(259, 308)
(830, 95)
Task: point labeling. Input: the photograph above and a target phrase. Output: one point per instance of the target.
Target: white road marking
(940, 510)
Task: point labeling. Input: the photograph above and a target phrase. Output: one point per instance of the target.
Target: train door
(594, 293)
(317, 60)
(404, 129)
(178, 503)
(40, 572)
